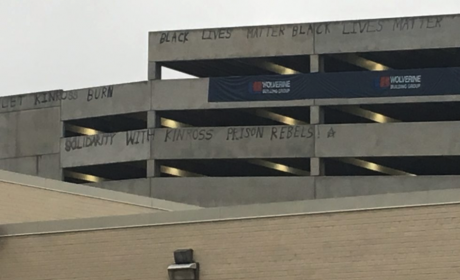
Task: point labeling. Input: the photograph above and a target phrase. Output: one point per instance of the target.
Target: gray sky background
(69, 44)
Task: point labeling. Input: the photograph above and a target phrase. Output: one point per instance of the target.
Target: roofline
(313, 22)
(271, 210)
(92, 192)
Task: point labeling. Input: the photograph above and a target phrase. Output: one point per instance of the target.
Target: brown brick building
(29, 199)
(392, 236)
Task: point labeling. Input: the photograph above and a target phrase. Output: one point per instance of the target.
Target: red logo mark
(384, 82)
(257, 86)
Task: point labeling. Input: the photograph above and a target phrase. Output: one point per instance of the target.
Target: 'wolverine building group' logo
(270, 87)
(399, 82)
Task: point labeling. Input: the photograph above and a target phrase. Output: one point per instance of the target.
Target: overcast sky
(69, 44)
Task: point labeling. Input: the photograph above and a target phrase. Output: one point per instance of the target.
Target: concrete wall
(218, 192)
(106, 100)
(234, 142)
(136, 186)
(30, 127)
(325, 37)
(330, 187)
(49, 166)
(391, 139)
(30, 101)
(409, 243)
(230, 191)
(24, 165)
(106, 148)
(29, 133)
(38, 132)
(179, 94)
(227, 43)
(346, 140)
(46, 166)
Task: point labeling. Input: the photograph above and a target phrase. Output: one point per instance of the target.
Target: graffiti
(331, 133)
(216, 34)
(367, 26)
(11, 102)
(77, 143)
(275, 132)
(195, 134)
(139, 136)
(308, 29)
(173, 37)
(348, 28)
(268, 31)
(52, 96)
(405, 24)
(99, 93)
(239, 133)
(290, 132)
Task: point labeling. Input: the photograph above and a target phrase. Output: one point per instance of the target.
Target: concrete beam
(279, 167)
(272, 67)
(316, 63)
(282, 119)
(374, 167)
(356, 60)
(366, 114)
(305, 39)
(107, 100)
(230, 43)
(219, 192)
(391, 139)
(106, 148)
(252, 142)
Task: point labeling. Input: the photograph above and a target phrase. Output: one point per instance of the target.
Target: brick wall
(421, 243)
(26, 204)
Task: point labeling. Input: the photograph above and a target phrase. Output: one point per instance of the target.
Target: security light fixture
(184, 267)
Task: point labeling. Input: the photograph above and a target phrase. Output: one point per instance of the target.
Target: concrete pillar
(316, 115)
(316, 164)
(154, 71)
(316, 167)
(316, 63)
(153, 168)
(153, 119)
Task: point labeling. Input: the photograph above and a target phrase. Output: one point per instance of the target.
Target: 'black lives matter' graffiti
(308, 29)
(174, 37)
(216, 34)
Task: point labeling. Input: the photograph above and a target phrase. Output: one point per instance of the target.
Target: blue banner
(418, 82)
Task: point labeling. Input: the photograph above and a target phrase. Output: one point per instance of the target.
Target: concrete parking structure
(275, 114)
